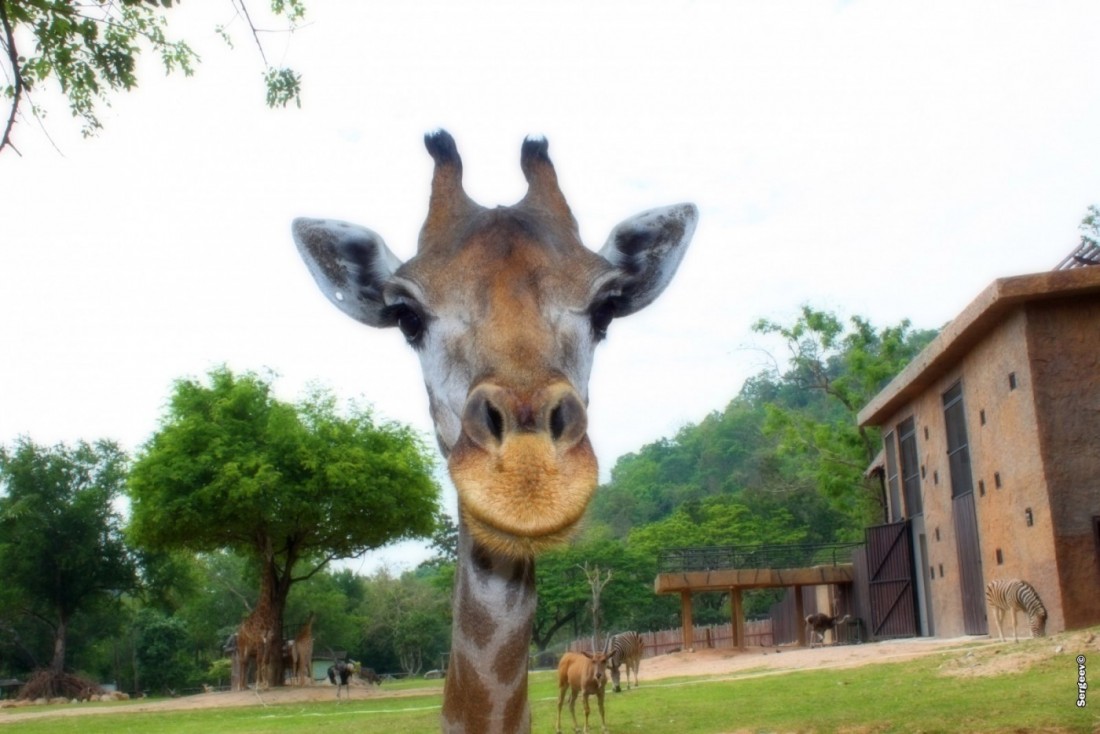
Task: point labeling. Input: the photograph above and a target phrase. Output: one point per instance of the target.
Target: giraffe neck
(494, 607)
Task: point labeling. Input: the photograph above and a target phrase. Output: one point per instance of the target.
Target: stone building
(991, 441)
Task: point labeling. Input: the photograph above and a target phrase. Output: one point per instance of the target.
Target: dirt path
(976, 656)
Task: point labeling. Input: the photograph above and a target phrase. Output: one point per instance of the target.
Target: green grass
(896, 697)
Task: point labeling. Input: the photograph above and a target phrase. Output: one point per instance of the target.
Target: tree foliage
(290, 487)
(1090, 228)
(62, 551)
(787, 446)
(837, 368)
(91, 49)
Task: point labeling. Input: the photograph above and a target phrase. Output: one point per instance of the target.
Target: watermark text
(1082, 683)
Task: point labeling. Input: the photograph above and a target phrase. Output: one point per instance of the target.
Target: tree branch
(17, 74)
(255, 33)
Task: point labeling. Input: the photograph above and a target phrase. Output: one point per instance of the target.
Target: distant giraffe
(301, 653)
(255, 640)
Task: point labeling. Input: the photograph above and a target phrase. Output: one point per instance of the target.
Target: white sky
(881, 159)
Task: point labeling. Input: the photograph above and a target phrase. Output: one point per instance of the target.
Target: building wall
(1007, 476)
(941, 565)
(1009, 472)
(1064, 340)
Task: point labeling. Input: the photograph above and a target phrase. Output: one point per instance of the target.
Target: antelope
(582, 673)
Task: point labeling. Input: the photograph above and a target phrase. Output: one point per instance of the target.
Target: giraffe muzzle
(523, 466)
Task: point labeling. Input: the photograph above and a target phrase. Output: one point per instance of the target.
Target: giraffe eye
(601, 314)
(408, 321)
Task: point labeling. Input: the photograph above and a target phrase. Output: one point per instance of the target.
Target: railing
(678, 560)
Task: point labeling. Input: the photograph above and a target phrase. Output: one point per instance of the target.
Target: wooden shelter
(732, 569)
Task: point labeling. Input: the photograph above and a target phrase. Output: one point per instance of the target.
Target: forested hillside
(786, 452)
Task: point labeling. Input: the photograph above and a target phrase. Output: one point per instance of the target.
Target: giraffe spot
(465, 698)
(511, 659)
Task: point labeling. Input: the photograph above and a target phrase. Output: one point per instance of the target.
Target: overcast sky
(882, 159)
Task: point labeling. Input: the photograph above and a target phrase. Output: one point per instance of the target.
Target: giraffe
(254, 642)
(301, 653)
(504, 307)
(259, 637)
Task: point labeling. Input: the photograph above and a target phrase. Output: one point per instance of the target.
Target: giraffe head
(504, 307)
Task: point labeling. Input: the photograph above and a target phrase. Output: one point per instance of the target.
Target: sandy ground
(966, 656)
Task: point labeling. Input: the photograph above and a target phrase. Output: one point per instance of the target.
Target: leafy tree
(407, 622)
(91, 48)
(162, 653)
(445, 542)
(837, 369)
(1090, 228)
(290, 487)
(61, 543)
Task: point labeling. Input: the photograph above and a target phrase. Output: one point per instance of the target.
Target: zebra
(624, 648)
(1011, 595)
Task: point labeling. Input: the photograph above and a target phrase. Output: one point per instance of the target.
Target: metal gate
(971, 579)
(890, 581)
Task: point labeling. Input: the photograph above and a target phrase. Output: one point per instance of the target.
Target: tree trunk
(57, 663)
(274, 589)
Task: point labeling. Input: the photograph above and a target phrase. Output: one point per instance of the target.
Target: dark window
(1000, 557)
(1011, 380)
(896, 511)
(958, 448)
(910, 467)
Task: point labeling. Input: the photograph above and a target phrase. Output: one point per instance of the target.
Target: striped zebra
(624, 648)
(1010, 595)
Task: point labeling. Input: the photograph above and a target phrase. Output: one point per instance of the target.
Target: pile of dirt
(50, 686)
(1012, 657)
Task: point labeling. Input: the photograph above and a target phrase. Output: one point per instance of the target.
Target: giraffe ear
(646, 250)
(350, 263)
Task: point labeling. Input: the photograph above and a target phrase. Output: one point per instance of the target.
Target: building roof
(976, 320)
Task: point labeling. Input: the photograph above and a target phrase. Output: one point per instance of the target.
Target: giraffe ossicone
(505, 307)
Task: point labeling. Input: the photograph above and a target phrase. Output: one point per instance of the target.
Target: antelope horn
(448, 200)
(542, 181)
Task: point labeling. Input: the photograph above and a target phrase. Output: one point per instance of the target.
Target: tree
(162, 657)
(91, 48)
(291, 487)
(61, 542)
(1090, 232)
(834, 370)
(407, 621)
(596, 582)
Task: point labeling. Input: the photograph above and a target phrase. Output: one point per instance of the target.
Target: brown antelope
(504, 307)
(582, 672)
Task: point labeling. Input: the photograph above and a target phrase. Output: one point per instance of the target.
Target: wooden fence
(758, 633)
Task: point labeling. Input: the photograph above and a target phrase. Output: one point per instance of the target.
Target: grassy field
(916, 696)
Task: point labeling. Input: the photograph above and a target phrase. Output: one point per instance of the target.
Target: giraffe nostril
(494, 420)
(557, 422)
(567, 420)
